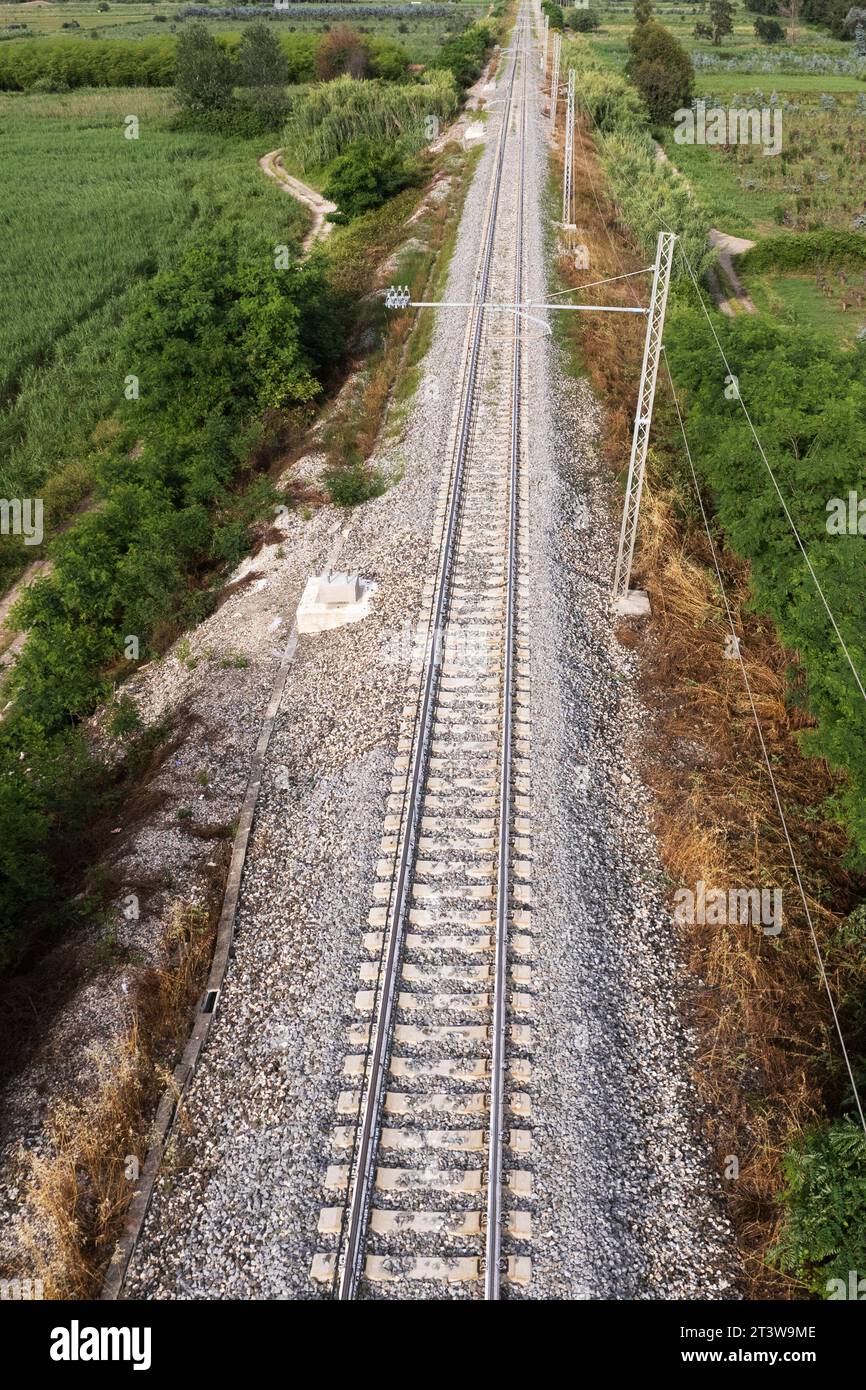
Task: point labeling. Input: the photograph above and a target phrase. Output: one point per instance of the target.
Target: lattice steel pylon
(643, 420)
(554, 81)
(568, 166)
(544, 44)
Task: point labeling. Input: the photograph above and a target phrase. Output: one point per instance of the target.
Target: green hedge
(466, 55)
(87, 63)
(62, 63)
(805, 251)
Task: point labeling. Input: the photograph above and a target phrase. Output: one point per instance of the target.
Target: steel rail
(361, 1193)
(493, 1240)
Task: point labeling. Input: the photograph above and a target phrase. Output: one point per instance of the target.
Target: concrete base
(475, 133)
(636, 604)
(314, 616)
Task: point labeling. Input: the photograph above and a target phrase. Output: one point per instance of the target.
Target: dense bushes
(806, 251)
(466, 55)
(582, 21)
(366, 174)
(86, 63)
(554, 14)
(324, 120)
(661, 70)
(768, 30)
(215, 345)
(613, 104)
(57, 64)
(807, 400)
(824, 1238)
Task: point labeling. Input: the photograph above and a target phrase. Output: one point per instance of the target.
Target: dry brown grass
(78, 1194)
(758, 1007)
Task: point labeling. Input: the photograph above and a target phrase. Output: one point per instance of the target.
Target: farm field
(421, 38)
(89, 216)
(818, 180)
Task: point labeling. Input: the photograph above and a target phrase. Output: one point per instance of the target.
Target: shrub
(824, 1237)
(86, 63)
(260, 59)
(807, 250)
(582, 21)
(348, 487)
(768, 30)
(366, 175)
(613, 103)
(466, 55)
(342, 52)
(204, 78)
(661, 70)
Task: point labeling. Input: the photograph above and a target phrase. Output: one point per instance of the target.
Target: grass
(785, 83)
(800, 299)
(79, 1190)
(90, 215)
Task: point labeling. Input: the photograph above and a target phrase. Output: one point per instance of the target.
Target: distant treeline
(58, 64)
(303, 11)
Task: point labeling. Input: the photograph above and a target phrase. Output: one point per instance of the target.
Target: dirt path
(321, 228)
(11, 644)
(730, 297)
(727, 247)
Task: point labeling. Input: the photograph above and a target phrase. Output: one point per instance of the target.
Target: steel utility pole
(554, 81)
(568, 166)
(626, 600)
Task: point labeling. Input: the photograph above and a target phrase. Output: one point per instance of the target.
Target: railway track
(430, 1188)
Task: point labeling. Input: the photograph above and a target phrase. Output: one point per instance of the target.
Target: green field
(88, 215)
(834, 308)
(420, 37)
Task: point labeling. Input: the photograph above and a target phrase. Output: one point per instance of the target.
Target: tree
(768, 30)
(582, 21)
(643, 11)
(762, 6)
(367, 174)
(203, 76)
(261, 61)
(661, 69)
(721, 19)
(341, 51)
